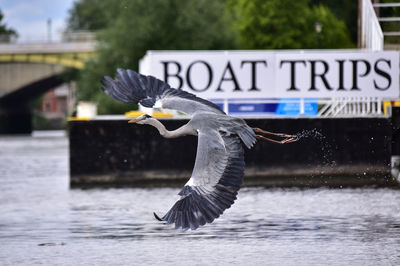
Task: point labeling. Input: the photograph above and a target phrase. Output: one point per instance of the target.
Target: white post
(379, 107)
(301, 106)
(226, 106)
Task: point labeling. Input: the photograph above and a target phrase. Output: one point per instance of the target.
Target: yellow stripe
(74, 60)
(158, 114)
(155, 114)
(74, 118)
(134, 114)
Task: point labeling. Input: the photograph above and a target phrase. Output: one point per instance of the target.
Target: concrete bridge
(29, 70)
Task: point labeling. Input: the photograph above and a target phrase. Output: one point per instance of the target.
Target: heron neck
(182, 131)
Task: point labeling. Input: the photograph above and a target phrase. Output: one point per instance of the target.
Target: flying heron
(219, 167)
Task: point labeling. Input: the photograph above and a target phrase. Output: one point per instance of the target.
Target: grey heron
(219, 166)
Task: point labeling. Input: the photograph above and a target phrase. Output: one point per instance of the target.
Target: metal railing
(64, 37)
(388, 19)
(351, 107)
(78, 36)
(7, 38)
(326, 107)
(371, 31)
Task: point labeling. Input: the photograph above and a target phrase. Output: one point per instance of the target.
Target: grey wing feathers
(132, 87)
(248, 136)
(203, 203)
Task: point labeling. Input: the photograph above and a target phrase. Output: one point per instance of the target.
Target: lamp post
(49, 30)
(318, 29)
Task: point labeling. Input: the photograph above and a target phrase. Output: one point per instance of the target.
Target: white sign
(277, 74)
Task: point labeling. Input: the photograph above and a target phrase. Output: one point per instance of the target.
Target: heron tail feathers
(248, 136)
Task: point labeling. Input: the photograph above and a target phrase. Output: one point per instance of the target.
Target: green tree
(142, 25)
(5, 32)
(92, 15)
(334, 34)
(127, 29)
(345, 10)
(287, 24)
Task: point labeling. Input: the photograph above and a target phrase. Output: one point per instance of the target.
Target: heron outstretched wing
(216, 179)
(132, 87)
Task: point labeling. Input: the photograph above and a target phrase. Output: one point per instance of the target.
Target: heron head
(140, 119)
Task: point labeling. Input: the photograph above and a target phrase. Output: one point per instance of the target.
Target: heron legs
(287, 137)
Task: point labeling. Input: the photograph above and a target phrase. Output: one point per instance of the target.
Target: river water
(44, 222)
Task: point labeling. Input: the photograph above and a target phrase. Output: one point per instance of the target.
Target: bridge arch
(29, 70)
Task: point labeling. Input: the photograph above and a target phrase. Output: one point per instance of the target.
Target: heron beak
(133, 120)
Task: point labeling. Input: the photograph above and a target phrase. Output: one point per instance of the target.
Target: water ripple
(44, 222)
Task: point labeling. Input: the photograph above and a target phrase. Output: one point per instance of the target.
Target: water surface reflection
(44, 222)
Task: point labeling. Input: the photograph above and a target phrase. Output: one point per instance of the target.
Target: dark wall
(340, 141)
(16, 107)
(395, 122)
(114, 146)
(15, 119)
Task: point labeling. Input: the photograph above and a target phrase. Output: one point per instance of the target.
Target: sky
(29, 18)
